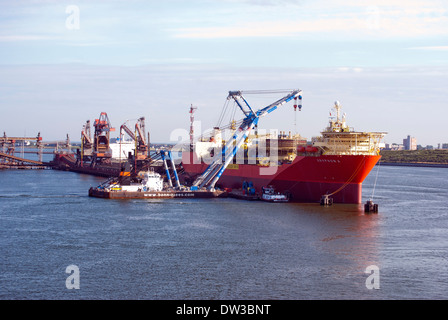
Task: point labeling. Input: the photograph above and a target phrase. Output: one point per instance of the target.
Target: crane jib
(275, 105)
(214, 171)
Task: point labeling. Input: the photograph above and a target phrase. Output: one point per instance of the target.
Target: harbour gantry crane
(7, 144)
(141, 143)
(214, 171)
(101, 150)
(138, 136)
(86, 143)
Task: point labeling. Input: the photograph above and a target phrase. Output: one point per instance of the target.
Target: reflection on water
(221, 248)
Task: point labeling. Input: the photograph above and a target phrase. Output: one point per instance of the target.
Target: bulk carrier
(334, 164)
(99, 156)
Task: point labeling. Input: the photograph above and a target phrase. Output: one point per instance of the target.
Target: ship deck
(169, 194)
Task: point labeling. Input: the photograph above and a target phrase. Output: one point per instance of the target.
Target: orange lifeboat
(311, 149)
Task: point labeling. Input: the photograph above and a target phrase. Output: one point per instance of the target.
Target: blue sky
(386, 61)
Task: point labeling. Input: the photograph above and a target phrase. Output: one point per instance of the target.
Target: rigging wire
(232, 118)
(229, 111)
(266, 91)
(376, 178)
(223, 112)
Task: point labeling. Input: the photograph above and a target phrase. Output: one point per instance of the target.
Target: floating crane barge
(151, 185)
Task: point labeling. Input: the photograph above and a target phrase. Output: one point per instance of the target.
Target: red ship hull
(306, 179)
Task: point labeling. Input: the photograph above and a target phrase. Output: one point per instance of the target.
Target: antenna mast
(192, 110)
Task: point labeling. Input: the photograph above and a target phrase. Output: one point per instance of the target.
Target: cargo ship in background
(101, 156)
(335, 164)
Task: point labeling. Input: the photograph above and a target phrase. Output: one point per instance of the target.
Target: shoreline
(414, 164)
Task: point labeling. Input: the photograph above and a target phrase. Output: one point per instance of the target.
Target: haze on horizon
(64, 62)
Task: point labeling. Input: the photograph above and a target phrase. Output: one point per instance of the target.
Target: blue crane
(214, 171)
(168, 155)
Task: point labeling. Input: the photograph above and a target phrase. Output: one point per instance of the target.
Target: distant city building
(428, 147)
(396, 147)
(410, 143)
(445, 146)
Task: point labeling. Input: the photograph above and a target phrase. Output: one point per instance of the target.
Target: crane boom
(214, 171)
(141, 135)
(293, 95)
(128, 131)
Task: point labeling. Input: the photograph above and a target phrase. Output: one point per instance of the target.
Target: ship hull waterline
(306, 179)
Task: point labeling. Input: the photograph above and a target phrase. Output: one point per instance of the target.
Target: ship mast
(338, 107)
(338, 124)
(192, 110)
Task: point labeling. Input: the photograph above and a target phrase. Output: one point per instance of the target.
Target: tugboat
(270, 195)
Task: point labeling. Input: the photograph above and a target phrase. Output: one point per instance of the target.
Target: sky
(65, 62)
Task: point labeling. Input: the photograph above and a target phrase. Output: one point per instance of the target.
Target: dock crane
(101, 150)
(214, 171)
(141, 142)
(86, 143)
(7, 144)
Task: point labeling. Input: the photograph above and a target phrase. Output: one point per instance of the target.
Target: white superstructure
(121, 148)
(339, 139)
(150, 181)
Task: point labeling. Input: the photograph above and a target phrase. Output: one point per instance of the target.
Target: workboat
(270, 195)
(146, 185)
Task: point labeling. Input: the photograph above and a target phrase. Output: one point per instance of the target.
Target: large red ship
(334, 164)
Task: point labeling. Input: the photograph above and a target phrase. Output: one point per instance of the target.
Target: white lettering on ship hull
(329, 160)
(169, 195)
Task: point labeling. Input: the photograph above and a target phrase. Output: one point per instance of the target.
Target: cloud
(269, 2)
(269, 19)
(342, 27)
(430, 48)
(275, 28)
(303, 32)
(14, 38)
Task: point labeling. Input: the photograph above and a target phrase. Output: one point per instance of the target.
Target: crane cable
(266, 91)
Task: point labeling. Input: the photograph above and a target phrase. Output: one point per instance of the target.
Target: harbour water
(222, 248)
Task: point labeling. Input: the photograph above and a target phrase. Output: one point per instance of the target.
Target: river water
(222, 249)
